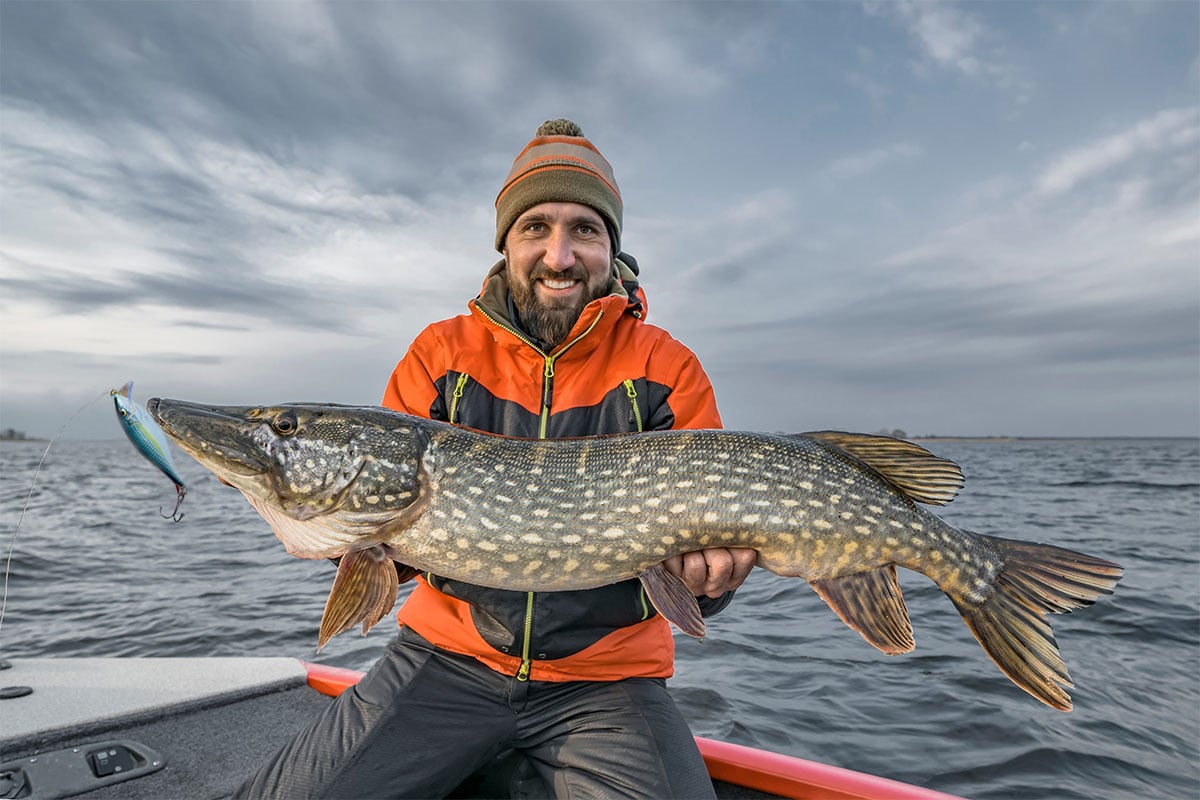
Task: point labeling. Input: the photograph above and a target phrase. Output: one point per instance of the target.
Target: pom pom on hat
(559, 165)
(559, 127)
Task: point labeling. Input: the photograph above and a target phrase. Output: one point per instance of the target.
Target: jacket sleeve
(412, 387)
(714, 605)
(690, 402)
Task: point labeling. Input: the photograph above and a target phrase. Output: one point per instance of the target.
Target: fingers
(713, 571)
(744, 560)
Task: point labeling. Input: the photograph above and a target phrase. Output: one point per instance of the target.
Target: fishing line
(12, 545)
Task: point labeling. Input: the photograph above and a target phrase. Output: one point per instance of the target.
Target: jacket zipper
(548, 375)
(631, 393)
(509, 328)
(459, 386)
(526, 661)
(547, 395)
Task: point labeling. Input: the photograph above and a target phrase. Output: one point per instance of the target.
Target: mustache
(575, 273)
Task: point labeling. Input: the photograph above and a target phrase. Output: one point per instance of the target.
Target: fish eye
(285, 424)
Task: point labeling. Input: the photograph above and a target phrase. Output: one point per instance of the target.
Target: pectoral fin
(871, 603)
(671, 597)
(363, 591)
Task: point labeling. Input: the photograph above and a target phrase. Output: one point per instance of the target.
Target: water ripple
(97, 572)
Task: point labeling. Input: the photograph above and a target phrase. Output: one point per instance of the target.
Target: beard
(549, 321)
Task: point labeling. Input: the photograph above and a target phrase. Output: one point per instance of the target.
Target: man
(554, 345)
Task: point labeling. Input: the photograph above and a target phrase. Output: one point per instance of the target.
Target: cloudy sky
(978, 218)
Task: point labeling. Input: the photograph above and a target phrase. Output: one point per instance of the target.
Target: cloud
(241, 206)
(1173, 131)
(863, 163)
(952, 38)
(947, 35)
(1037, 297)
(298, 303)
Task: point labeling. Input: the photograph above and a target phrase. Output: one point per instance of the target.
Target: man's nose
(560, 251)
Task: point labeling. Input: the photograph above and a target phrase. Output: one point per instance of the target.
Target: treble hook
(176, 514)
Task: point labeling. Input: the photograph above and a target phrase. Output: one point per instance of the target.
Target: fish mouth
(218, 437)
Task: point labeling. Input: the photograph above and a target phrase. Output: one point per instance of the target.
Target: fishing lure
(149, 440)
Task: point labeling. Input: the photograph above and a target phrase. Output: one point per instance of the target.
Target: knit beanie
(559, 165)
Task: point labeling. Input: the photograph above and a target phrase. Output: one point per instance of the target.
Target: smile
(551, 283)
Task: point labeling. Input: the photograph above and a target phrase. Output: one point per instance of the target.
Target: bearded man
(556, 344)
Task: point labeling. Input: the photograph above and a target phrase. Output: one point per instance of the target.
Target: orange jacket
(614, 373)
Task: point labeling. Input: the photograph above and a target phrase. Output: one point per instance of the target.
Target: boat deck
(213, 721)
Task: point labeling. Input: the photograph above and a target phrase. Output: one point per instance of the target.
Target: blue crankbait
(149, 440)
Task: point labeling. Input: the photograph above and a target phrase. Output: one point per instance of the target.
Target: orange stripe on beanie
(559, 165)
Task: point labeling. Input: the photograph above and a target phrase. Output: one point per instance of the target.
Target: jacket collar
(624, 297)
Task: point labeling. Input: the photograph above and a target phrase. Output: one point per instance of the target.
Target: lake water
(97, 572)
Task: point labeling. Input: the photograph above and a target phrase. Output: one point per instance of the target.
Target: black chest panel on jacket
(464, 401)
(562, 623)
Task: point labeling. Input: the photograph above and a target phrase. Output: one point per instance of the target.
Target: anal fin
(671, 597)
(364, 590)
(872, 604)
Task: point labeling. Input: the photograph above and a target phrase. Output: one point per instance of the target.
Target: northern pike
(839, 510)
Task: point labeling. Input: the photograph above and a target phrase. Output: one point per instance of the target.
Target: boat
(153, 728)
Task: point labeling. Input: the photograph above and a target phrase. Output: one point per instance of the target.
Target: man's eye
(587, 230)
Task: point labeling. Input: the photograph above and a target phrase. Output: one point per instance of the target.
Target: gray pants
(422, 720)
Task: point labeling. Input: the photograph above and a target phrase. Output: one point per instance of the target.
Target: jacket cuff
(714, 605)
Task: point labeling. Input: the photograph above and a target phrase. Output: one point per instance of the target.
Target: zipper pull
(631, 393)
(523, 672)
(459, 385)
(548, 384)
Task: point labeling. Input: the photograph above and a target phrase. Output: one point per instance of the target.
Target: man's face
(559, 259)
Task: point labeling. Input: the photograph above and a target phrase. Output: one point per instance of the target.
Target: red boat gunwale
(774, 773)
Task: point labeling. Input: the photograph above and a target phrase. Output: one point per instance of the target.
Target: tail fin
(1035, 579)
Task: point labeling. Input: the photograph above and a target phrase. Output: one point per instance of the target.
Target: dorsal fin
(911, 468)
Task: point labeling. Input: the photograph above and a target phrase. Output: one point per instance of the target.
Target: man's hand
(714, 571)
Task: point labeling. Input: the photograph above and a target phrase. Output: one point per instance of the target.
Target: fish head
(353, 468)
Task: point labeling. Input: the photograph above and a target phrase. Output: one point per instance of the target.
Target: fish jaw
(326, 478)
(257, 450)
(222, 439)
